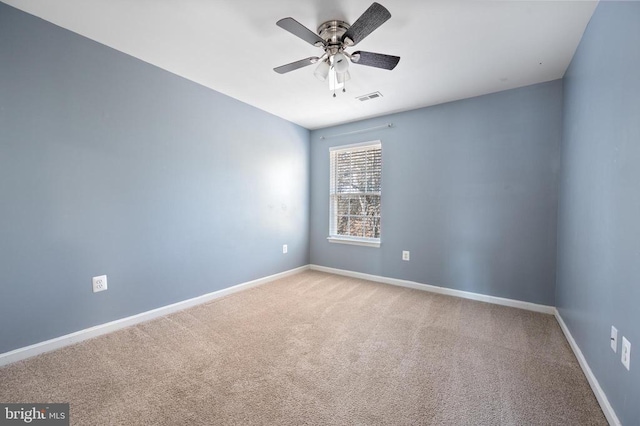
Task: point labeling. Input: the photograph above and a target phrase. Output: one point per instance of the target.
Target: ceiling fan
(334, 37)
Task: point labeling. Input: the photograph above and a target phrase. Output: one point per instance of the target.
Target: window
(355, 184)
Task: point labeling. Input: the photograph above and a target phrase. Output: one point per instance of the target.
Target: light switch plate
(626, 352)
(614, 339)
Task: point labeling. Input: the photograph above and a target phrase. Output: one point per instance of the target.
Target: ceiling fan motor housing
(332, 32)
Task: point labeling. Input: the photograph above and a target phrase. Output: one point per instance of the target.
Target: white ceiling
(450, 49)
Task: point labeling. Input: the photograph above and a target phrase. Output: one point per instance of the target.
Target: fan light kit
(334, 37)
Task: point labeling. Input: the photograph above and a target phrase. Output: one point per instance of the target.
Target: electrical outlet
(626, 352)
(614, 339)
(285, 249)
(406, 255)
(99, 283)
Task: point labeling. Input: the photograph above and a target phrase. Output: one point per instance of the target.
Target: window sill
(354, 241)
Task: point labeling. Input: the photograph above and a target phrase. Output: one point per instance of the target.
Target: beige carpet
(315, 348)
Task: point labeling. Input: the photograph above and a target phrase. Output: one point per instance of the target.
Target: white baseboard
(88, 333)
(441, 290)
(607, 409)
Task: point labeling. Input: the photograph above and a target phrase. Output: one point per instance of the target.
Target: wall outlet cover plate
(99, 283)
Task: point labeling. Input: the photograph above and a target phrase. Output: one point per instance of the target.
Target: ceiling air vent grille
(370, 96)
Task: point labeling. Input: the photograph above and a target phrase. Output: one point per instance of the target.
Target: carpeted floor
(316, 348)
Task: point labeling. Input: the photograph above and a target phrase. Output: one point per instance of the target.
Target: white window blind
(355, 192)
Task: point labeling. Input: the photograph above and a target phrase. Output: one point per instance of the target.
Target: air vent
(370, 96)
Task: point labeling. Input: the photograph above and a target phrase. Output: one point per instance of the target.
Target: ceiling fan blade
(377, 60)
(299, 30)
(371, 19)
(295, 65)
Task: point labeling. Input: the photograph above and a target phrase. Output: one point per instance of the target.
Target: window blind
(355, 191)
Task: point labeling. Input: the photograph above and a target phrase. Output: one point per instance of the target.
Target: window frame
(333, 213)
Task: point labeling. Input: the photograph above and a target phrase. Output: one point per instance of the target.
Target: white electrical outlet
(614, 339)
(626, 352)
(99, 283)
(285, 249)
(406, 255)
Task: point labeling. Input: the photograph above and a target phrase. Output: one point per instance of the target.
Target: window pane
(357, 205)
(376, 227)
(357, 227)
(343, 205)
(343, 225)
(373, 205)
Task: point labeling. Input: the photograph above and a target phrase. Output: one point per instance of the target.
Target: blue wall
(598, 283)
(469, 187)
(109, 165)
